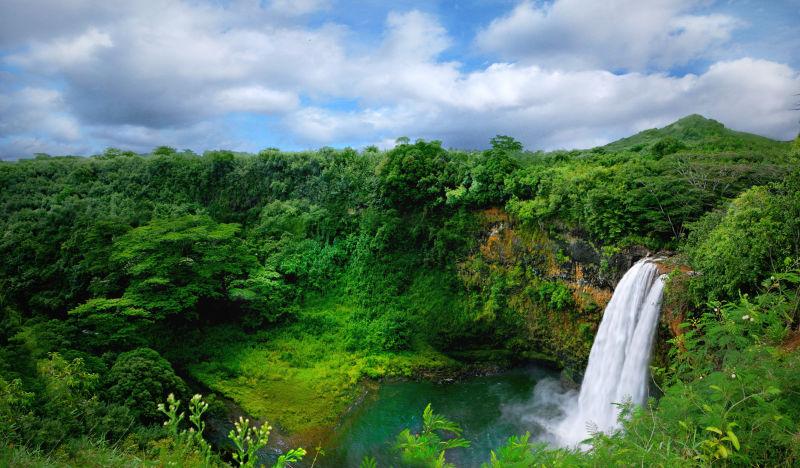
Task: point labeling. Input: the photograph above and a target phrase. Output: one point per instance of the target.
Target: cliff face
(539, 292)
(533, 293)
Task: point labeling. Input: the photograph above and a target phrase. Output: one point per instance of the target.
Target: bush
(758, 231)
(667, 145)
(555, 295)
(390, 331)
(140, 380)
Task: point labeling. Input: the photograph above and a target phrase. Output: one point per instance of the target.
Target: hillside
(696, 132)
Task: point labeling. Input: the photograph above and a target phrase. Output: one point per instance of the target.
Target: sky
(79, 76)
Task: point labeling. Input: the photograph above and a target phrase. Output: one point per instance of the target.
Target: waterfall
(618, 369)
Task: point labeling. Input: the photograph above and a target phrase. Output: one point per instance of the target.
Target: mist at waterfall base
(618, 369)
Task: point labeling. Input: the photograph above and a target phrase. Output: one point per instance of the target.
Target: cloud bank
(571, 73)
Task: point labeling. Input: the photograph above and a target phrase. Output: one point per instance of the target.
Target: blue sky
(79, 76)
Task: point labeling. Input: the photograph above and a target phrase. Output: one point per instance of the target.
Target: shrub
(736, 250)
(667, 145)
(141, 379)
(389, 331)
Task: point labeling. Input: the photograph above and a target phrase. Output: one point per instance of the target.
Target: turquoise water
(486, 407)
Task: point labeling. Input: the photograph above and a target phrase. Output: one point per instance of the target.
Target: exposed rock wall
(546, 292)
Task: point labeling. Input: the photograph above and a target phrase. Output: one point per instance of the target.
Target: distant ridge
(698, 133)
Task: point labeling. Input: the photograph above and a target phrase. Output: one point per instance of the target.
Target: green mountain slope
(698, 133)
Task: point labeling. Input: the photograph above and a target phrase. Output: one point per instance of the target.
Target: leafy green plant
(174, 265)
(189, 441)
(517, 452)
(15, 405)
(429, 446)
(248, 440)
(197, 407)
(174, 418)
(720, 445)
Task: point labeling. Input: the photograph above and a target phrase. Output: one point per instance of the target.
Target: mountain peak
(695, 132)
(695, 120)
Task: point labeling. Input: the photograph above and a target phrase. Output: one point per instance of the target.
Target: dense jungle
(224, 308)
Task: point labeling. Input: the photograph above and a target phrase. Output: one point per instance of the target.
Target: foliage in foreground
(247, 440)
(430, 445)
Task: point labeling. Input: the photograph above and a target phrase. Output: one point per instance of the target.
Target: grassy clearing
(300, 376)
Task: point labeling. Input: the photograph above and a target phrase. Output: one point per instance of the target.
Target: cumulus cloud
(414, 36)
(22, 146)
(321, 125)
(36, 109)
(35, 120)
(23, 21)
(181, 63)
(566, 109)
(75, 52)
(206, 135)
(256, 99)
(175, 72)
(612, 34)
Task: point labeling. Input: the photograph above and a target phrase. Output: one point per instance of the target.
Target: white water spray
(618, 369)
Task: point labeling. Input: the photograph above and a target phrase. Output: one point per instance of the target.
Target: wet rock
(582, 251)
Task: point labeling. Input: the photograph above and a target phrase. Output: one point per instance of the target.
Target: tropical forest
(177, 309)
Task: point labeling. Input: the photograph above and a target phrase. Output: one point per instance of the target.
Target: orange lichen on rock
(585, 295)
(665, 268)
(675, 303)
(578, 272)
(495, 215)
(506, 245)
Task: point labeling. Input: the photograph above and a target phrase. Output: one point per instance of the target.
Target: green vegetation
(729, 396)
(697, 133)
(428, 448)
(303, 375)
(754, 234)
(284, 281)
(140, 380)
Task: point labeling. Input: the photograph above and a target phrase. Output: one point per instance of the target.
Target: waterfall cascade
(618, 369)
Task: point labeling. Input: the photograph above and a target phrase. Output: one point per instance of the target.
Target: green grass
(300, 376)
(88, 453)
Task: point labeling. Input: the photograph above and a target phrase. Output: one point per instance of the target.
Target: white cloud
(751, 95)
(612, 34)
(414, 36)
(21, 146)
(320, 125)
(256, 99)
(201, 136)
(35, 120)
(181, 63)
(23, 21)
(74, 52)
(551, 109)
(37, 111)
(171, 74)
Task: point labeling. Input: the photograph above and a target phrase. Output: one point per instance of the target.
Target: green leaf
(734, 440)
